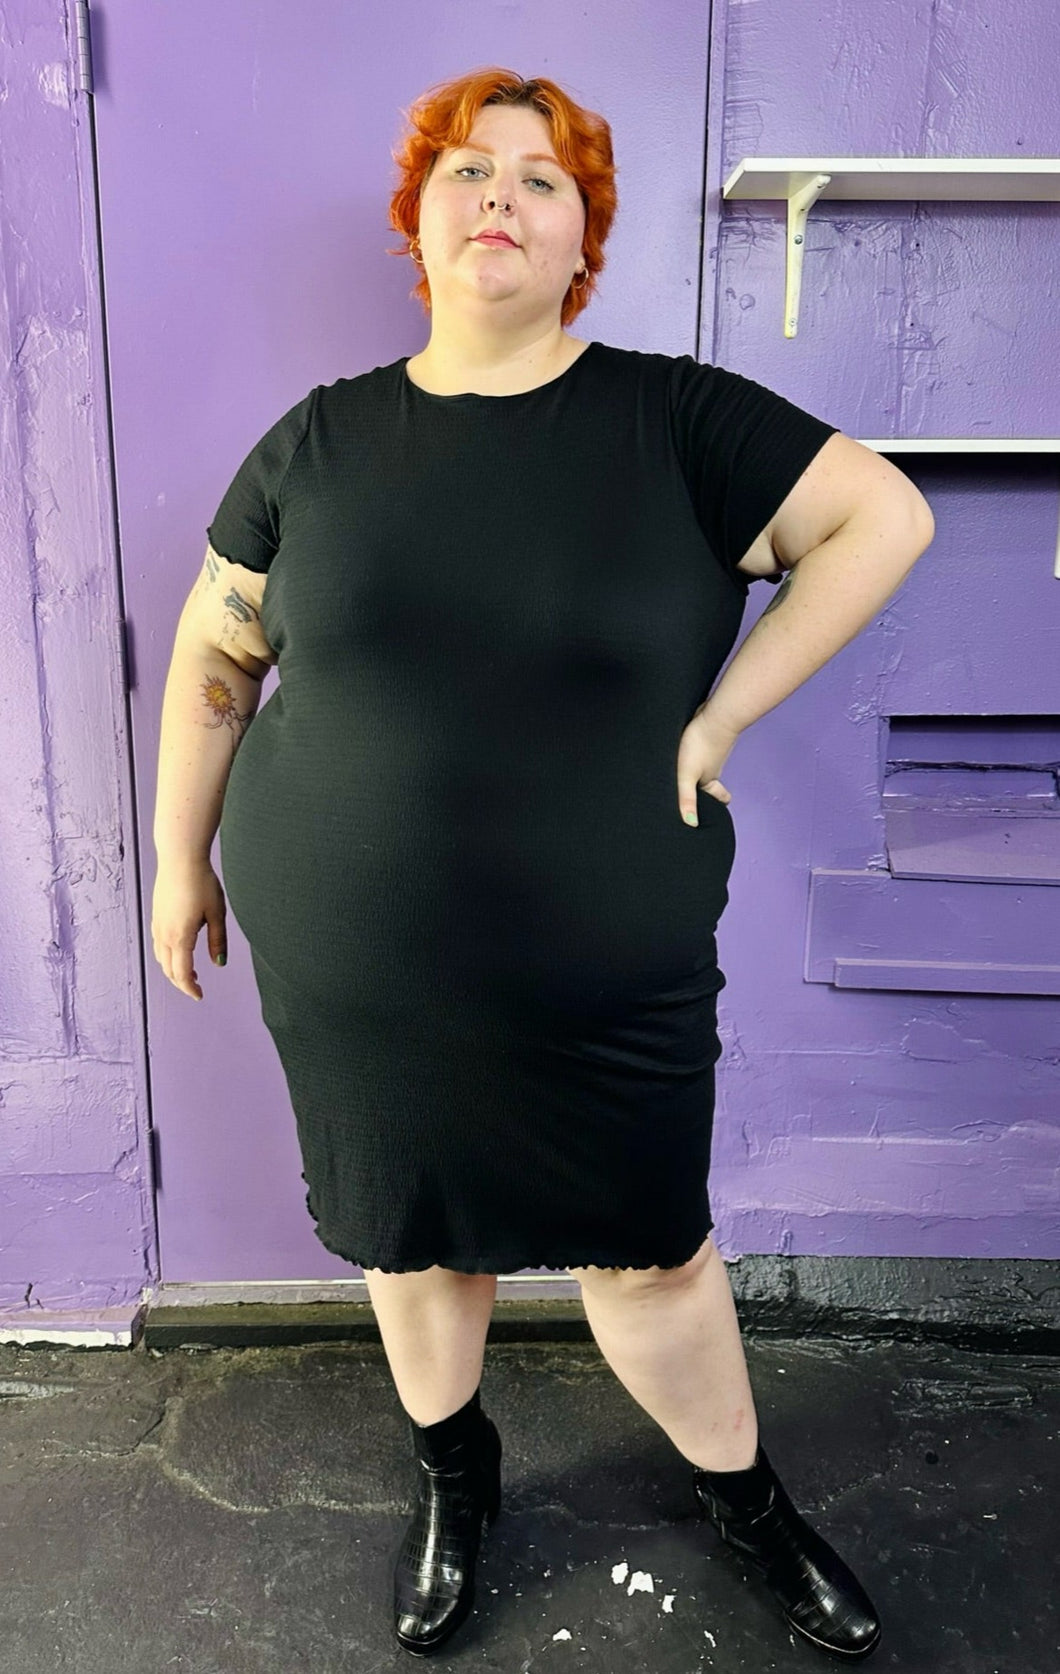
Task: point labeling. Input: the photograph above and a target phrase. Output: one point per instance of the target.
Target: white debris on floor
(640, 1581)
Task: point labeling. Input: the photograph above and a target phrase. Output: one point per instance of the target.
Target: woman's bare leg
(433, 1325)
(673, 1338)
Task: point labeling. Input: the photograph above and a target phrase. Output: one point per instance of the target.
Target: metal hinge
(83, 83)
(156, 1165)
(127, 654)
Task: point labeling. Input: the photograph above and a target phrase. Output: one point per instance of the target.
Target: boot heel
(492, 1472)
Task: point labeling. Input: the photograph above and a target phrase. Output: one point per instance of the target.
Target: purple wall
(850, 1120)
(859, 1121)
(76, 1214)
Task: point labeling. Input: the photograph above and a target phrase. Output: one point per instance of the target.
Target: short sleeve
(248, 526)
(742, 449)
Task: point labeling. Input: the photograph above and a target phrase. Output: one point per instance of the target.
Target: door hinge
(127, 657)
(83, 83)
(156, 1165)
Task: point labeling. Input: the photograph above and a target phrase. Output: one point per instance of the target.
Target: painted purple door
(244, 175)
(891, 1077)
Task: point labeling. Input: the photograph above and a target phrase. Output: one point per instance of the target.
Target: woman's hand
(188, 894)
(702, 753)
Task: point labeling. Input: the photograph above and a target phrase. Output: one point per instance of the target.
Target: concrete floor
(237, 1511)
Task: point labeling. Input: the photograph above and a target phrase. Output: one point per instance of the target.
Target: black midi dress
(482, 935)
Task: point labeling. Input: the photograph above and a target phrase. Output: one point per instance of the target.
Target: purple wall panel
(76, 1216)
(244, 213)
(929, 319)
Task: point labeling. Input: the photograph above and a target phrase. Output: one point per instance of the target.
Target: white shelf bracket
(800, 202)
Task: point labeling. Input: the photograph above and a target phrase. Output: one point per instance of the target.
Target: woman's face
(508, 159)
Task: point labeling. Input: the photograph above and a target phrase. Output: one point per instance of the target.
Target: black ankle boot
(821, 1599)
(459, 1492)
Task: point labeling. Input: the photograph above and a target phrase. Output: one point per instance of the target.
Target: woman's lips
(496, 238)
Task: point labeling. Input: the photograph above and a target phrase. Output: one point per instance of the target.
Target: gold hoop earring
(585, 280)
(412, 252)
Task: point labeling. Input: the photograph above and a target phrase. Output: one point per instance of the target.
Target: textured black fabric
(482, 935)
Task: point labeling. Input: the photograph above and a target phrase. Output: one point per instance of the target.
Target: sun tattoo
(218, 698)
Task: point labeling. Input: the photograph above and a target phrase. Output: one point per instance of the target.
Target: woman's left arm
(848, 534)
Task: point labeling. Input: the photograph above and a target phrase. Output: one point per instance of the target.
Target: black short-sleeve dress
(483, 937)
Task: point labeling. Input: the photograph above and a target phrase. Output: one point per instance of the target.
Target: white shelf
(936, 179)
(963, 444)
(802, 180)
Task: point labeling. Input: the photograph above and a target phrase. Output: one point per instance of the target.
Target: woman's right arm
(213, 689)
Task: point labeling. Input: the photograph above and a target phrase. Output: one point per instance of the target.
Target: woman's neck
(453, 364)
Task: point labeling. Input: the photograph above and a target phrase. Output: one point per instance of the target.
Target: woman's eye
(536, 179)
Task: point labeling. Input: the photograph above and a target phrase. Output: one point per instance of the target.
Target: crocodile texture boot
(458, 1495)
(820, 1597)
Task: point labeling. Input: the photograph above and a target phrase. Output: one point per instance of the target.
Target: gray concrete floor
(237, 1511)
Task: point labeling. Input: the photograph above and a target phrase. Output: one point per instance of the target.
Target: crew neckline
(475, 395)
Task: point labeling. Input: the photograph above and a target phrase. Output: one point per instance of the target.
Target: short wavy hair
(443, 117)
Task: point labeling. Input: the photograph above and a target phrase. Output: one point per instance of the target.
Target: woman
(477, 840)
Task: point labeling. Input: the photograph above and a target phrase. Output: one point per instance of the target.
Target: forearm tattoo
(219, 699)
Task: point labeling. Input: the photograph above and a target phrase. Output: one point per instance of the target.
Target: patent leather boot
(822, 1600)
(458, 1496)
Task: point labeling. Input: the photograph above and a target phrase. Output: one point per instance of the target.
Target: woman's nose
(494, 200)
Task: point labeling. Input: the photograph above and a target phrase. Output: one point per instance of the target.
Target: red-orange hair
(443, 117)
